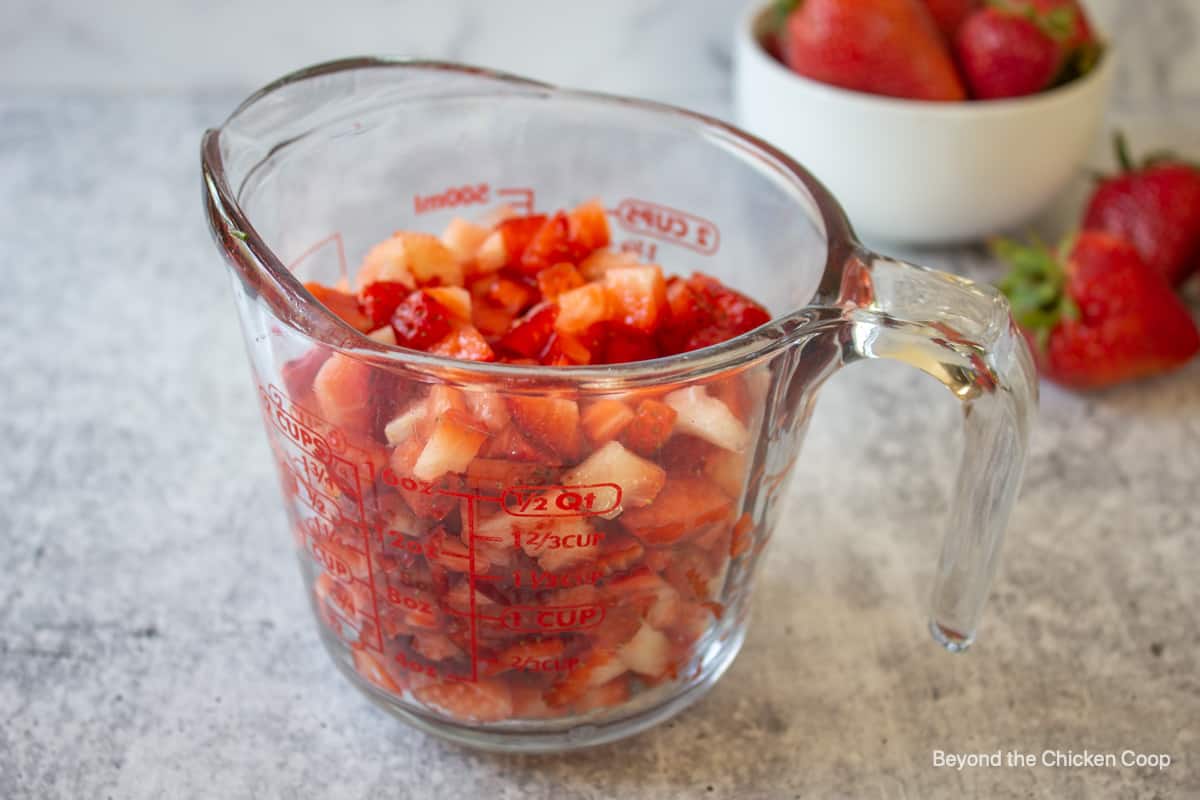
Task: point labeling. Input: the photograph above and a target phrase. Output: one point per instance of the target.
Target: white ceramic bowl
(920, 172)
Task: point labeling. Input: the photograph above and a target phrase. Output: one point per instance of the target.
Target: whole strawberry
(1007, 54)
(886, 47)
(1096, 314)
(1156, 207)
(950, 14)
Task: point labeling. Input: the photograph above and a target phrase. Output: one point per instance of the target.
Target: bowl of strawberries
(934, 121)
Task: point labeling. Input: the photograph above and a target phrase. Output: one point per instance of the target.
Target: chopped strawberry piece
(622, 344)
(426, 505)
(708, 418)
(464, 343)
(598, 263)
(637, 295)
(682, 507)
(651, 427)
(647, 653)
(343, 305)
(435, 646)
(619, 553)
(640, 480)
(371, 667)
(587, 228)
(454, 299)
(487, 700)
(727, 470)
(463, 239)
(565, 350)
(743, 537)
(507, 294)
(581, 308)
(420, 321)
(550, 245)
(342, 387)
(549, 421)
(516, 234)
(379, 300)
(597, 668)
(604, 420)
(607, 695)
(451, 447)
(512, 445)
(298, 373)
(490, 322)
(496, 475)
(555, 280)
(529, 335)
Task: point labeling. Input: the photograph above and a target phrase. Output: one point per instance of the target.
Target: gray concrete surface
(153, 636)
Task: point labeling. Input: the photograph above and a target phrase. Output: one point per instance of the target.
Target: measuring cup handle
(961, 333)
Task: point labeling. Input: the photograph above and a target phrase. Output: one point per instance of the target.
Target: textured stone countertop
(154, 641)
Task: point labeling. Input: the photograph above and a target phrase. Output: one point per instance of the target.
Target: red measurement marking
(543, 664)
(561, 501)
(453, 197)
(645, 251)
(397, 598)
(536, 579)
(336, 239)
(520, 199)
(537, 541)
(643, 218)
(537, 619)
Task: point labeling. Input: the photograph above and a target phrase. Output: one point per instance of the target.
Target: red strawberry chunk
(550, 421)
(587, 227)
(298, 373)
(420, 321)
(464, 342)
(650, 428)
(529, 335)
(604, 420)
(637, 295)
(555, 280)
(550, 245)
(487, 700)
(517, 233)
(343, 305)
(380, 299)
(681, 509)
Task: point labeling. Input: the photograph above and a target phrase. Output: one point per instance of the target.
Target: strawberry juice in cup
(531, 459)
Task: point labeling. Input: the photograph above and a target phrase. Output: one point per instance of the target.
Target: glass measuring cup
(580, 595)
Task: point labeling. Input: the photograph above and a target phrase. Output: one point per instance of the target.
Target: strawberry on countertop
(1096, 314)
(1156, 207)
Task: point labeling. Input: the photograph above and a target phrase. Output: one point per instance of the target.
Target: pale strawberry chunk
(637, 295)
(430, 261)
(571, 552)
(384, 335)
(443, 398)
(708, 418)
(371, 667)
(406, 425)
(604, 420)
(436, 646)
(386, 261)
(490, 409)
(463, 238)
(581, 308)
(342, 389)
(454, 442)
(598, 263)
(487, 700)
(492, 253)
(454, 299)
(587, 226)
(727, 470)
(549, 421)
(597, 668)
(464, 342)
(607, 695)
(640, 480)
(647, 653)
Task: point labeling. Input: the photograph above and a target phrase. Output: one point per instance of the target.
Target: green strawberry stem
(1124, 155)
(1036, 286)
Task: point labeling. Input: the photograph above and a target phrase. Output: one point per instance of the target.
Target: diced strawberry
(619, 625)
(565, 350)
(443, 398)
(489, 408)
(342, 388)
(707, 418)
(587, 228)
(512, 445)
(517, 234)
(596, 668)
(604, 420)
(489, 321)
(651, 427)
(598, 263)
(637, 295)
(529, 334)
(383, 335)
(386, 261)
(431, 262)
(581, 308)
(455, 440)
(450, 553)
(486, 700)
(507, 294)
(692, 573)
(435, 646)
(404, 426)
(464, 343)
(463, 238)
(550, 421)
(454, 299)
(550, 245)
(496, 475)
(528, 703)
(420, 321)
(607, 695)
(621, 344)
(426, 505)
(379, 300)
(298, 373)
(555, 280)
(371, 667)
(682, 507)
(619, 553)
(343, 305)
(526, 651)
(558, 559)
(646, 653)
(704, 312)
(639, 479)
